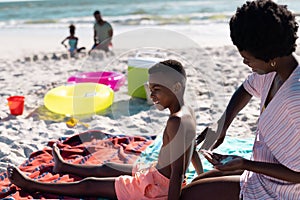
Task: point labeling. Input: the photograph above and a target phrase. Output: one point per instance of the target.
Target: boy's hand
(224, 162)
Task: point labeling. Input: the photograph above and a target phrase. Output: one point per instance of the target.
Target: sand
(214, 70)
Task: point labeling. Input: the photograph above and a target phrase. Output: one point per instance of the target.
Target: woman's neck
(285, 67)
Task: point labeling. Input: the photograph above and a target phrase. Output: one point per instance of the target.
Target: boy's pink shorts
(143, 185)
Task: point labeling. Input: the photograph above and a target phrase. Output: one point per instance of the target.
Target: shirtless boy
(167, 85)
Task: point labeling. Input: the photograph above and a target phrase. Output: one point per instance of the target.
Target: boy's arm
(177, 148)
(196, 161)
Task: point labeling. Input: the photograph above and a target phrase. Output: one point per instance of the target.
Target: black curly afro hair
(264, 29)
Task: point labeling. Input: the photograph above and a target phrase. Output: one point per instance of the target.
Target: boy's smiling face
(166, 85)
(161, 96)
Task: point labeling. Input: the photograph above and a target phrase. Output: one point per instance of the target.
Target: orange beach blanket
(91, 147)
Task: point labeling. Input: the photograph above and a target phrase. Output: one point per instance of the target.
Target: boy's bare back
(178, 142)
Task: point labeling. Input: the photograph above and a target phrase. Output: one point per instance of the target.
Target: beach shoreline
(26, 41)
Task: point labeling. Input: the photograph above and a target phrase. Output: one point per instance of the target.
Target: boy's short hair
(169, 67)
(161, 67)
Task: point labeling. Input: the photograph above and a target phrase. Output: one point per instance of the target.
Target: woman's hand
(201, 137)
(224, 162)
(213, 136)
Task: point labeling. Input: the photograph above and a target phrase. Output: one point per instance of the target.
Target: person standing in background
(103, 33)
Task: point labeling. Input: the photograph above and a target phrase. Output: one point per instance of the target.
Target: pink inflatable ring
(112, 79)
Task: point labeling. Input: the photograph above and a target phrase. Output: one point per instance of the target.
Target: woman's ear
(177, 87)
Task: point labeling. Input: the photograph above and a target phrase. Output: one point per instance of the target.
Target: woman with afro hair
(265, 35)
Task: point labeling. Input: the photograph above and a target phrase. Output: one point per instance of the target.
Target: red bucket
(16, 105)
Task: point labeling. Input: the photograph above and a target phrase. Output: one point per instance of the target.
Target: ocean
(26, 24)
(58, 13)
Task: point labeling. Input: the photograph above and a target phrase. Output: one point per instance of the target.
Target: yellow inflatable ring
(79, 99)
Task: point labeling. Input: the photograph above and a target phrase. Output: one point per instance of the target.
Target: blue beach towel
(231, 145)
